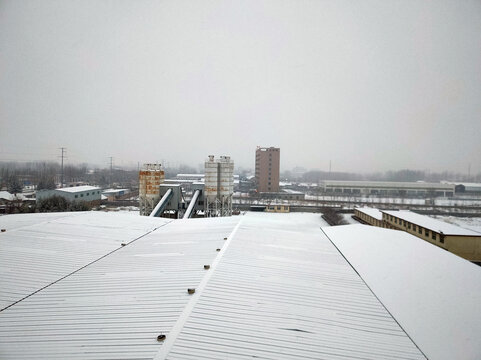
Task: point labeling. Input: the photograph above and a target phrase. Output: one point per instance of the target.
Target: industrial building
(462, 242)
(218, 186)
(213, 197)
(86, 193)
(116, 194)
(387, 188)
(283, 195)
(468, 188)
(150, 177)
(267, 169)
(262, 285)
(369, 216)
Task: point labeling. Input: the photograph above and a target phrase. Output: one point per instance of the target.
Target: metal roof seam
(410, 338)
(179, 325)
(83, 267)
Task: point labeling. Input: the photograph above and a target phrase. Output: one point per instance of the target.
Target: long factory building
(387, 188)
(457, 240)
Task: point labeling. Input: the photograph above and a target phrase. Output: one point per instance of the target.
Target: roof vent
(217, 249)
(225, 238)
(123, 244)
(161, 337)
(3, 230)
(191, 291)
(206, 267)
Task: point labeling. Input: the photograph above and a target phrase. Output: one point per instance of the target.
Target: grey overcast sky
(369, 85)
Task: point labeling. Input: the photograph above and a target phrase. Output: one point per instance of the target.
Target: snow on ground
(348, 218)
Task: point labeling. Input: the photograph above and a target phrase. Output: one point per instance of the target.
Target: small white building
(85, 193)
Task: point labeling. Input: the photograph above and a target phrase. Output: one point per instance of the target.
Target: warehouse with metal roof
(264, 285)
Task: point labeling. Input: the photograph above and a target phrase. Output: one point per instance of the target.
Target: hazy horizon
(368, 86)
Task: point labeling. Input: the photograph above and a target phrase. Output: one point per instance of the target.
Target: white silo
(210, 187)
(226, 176)
(218, 186)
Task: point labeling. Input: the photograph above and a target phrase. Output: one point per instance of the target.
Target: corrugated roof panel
(282, 291)
(116, 307)
(38, 250)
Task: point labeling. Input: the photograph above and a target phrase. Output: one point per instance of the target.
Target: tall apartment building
(267, 169)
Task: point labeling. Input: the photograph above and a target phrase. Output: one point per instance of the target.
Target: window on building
(441, 239)
(81, 195)
(76, 196)
(409, 225)
(88, 194)
(404, 222)
(433, 236)
(414, 228)
(420, 230)
(395, 220)
(426, 232)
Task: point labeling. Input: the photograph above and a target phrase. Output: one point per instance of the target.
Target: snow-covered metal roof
(114, 191)
(281, 290)
(39, 249)
(277, 288)
(433, 294)
(430, 223)
(374, 213)
(117, 306)
(75, 189)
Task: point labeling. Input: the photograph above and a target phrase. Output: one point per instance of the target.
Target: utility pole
(111, 162)
(64, 150)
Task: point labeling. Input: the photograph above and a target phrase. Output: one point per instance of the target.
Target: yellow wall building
(369, 216)
(278, 208)
(462, 242)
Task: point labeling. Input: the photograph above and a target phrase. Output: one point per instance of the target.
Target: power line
(111, 162)
(64, 150)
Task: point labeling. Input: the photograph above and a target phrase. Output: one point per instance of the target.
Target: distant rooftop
(113, 191)
(431, 223)
(396, 184)
(375, 213)
(74, 189)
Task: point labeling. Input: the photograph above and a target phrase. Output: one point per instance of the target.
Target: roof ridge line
(373, 293)
(189, 307)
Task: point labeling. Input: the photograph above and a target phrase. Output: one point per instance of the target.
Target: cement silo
(219, 186)
(150, 177)
(226, 185)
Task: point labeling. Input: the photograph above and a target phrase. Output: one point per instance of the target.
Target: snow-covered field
(348, 218)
